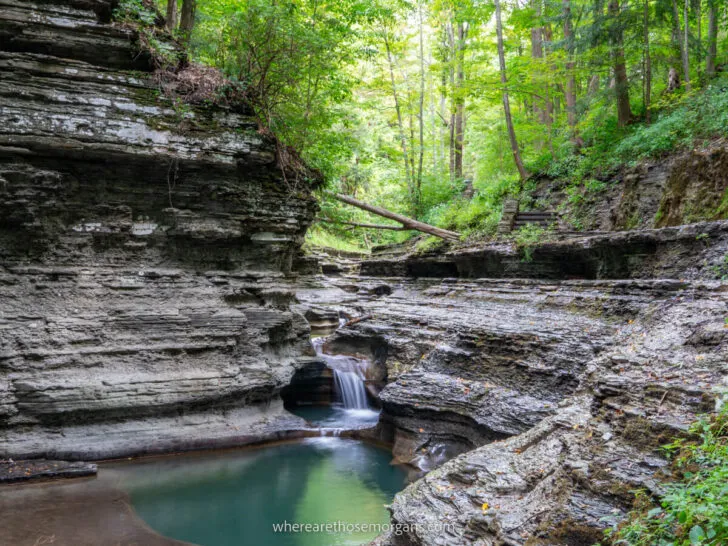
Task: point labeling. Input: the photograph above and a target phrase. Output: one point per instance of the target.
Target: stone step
(535, 215)
(520, 223)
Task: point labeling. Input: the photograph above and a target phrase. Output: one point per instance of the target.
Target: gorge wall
(537, 405)
(145, 251)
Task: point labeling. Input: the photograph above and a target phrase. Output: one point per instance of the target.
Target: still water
(235, 498)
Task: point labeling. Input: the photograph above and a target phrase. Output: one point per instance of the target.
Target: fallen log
(357, 319)
(356, 224)
(408, 223)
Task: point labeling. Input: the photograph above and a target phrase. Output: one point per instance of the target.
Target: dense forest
(437, 109)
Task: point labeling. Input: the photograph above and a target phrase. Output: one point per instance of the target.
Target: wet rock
(22, 471)
(324, 320)
(572, 473)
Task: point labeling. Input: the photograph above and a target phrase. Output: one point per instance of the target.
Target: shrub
(526, 238)
(694, 509)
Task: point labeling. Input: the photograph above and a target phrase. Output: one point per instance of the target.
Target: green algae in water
(234, 499)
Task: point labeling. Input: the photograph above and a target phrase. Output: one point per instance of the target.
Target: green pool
(236, 498)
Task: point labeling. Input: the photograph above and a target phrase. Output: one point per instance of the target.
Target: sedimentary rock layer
(690, 251)
(556, 394)
(571, 475)
(144, 250)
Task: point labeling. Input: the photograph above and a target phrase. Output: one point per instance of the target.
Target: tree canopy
(439, 108)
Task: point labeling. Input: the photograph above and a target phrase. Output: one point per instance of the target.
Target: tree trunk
(539, 110)
(677, 40)
(541, 107)
(408, 223)
(686, 48)
(468, 190)
(506, 103)
(459, 128)
(171, 15)
(570, 82)
(712, 39)
(673, 80)
(187, 19)
(699, 25)
(647, 91)
(451, 69)
(418, 184)
(621, 83)
(593, 86)
(550, 68)
(402, 137)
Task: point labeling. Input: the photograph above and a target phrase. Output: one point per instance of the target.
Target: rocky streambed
(548, 398)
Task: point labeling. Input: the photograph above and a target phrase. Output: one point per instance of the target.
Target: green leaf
(654, 512)
(696, 534)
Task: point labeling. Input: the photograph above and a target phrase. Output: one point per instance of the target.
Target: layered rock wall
(550, 398)
(145, 251)
(690, 251)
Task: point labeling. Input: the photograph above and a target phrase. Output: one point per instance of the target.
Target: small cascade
(348, 377)
(351, 389)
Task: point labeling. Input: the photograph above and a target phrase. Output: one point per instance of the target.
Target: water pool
(236, 498)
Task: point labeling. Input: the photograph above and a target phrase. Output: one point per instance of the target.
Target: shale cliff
(144, 251)
(537, 405)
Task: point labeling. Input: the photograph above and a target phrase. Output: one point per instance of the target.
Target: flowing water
(348, 376)
(352, 409)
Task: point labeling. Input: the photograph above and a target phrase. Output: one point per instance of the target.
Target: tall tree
(421, 116)
(171, 22)
(506, 102)
(686, 45)
(712, 52)
(570, 80)
(187, 19)
(647, 62)
(398, 110)
(673, 74)
(459, 129)
(539, 109)
(621, 83)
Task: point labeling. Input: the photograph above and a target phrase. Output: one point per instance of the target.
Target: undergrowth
(694, 508)
(319, 237)
(528, 237)
(143, 17)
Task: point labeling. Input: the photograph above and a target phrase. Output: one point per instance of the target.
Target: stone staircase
(540, 218)
(513, 218)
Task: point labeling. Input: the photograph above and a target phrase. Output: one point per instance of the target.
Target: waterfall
(351, 388)
(348, 377)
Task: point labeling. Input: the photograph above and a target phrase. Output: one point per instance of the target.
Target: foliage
(318, 237)
(700, 116)
(373, 94)
(429, 244)
(526, 238)
(138, 11)
(694, 509)
(153, 38)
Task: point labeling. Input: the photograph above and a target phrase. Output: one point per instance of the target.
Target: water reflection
(235, 498)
